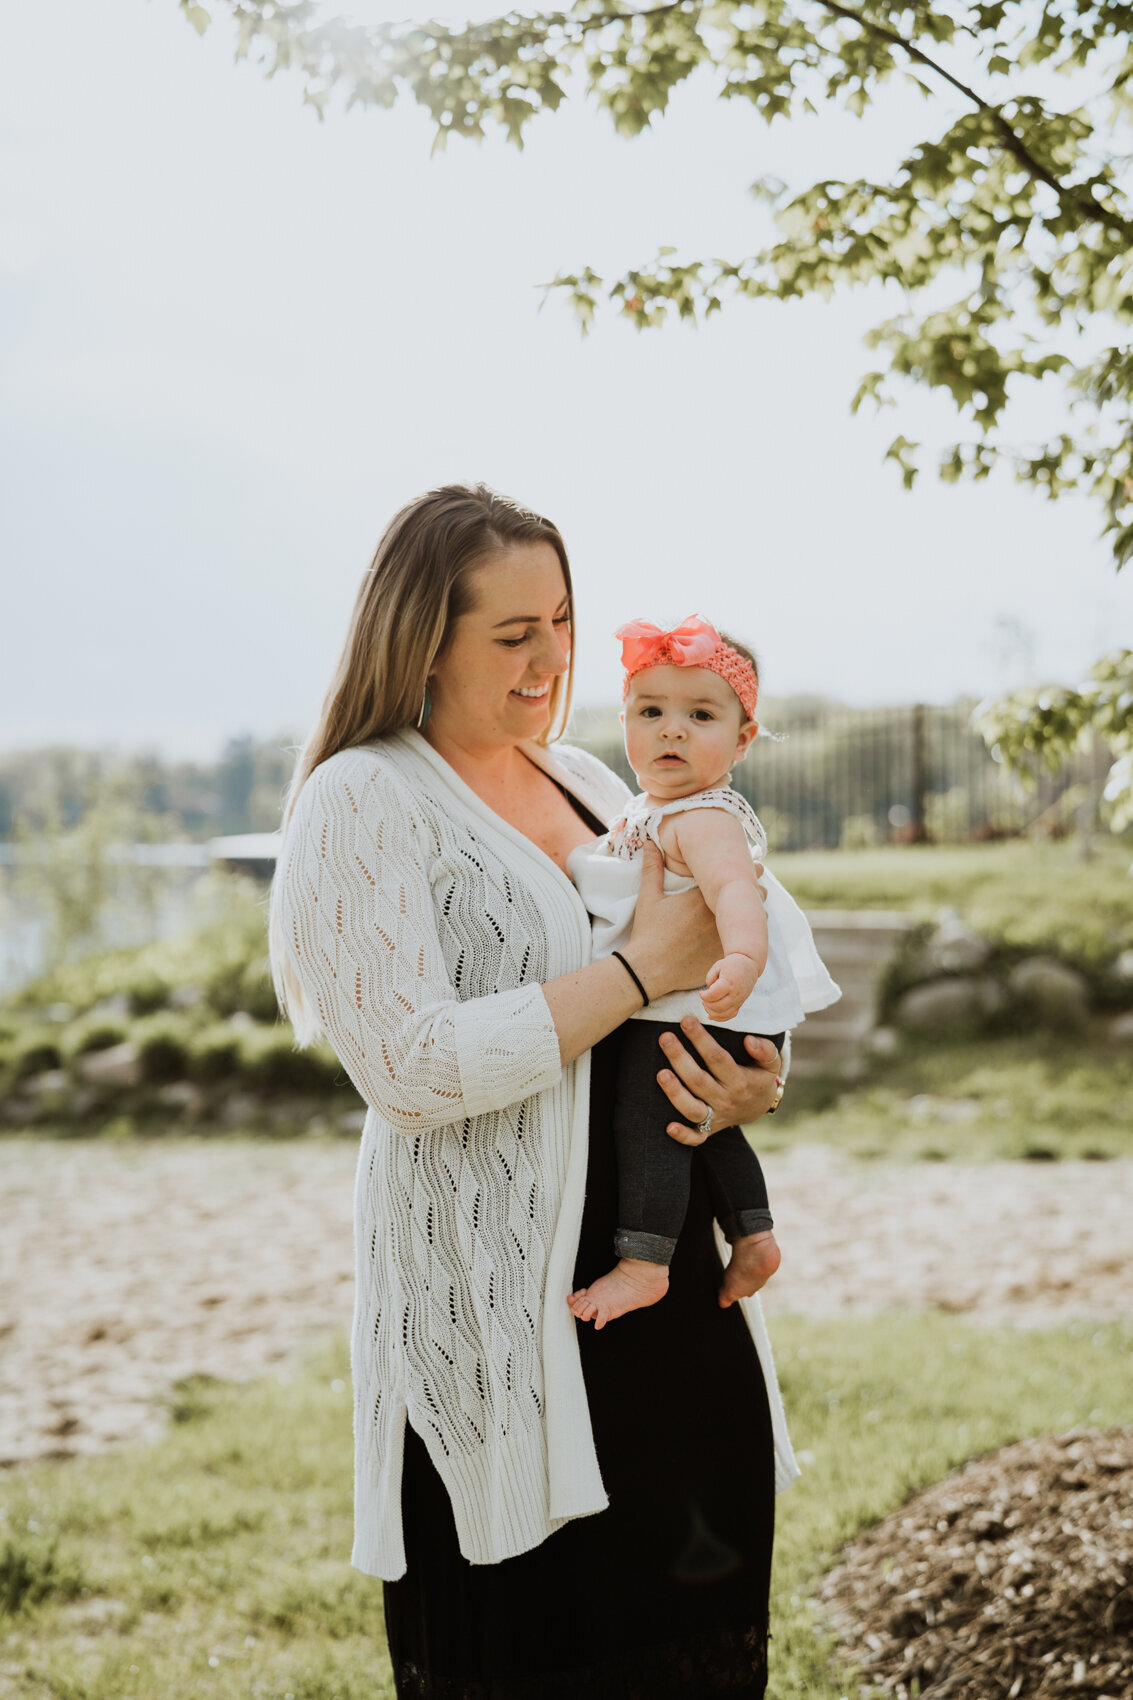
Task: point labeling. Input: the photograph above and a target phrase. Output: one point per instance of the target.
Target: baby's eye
(649, 713)
(703, 714)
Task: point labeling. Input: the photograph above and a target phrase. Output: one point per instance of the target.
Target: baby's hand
(730, 983)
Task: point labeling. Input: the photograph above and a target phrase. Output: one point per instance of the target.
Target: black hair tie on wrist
(644, 994)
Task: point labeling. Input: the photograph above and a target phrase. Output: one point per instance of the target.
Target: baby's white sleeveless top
(608, 876)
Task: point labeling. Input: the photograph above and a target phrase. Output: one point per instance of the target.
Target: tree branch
(1014, 143)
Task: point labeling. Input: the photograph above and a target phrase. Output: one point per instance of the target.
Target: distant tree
(235, 778)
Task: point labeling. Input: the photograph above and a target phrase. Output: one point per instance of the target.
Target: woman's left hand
(695, 1084)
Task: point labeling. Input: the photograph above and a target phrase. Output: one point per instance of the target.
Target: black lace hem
(724, 1663)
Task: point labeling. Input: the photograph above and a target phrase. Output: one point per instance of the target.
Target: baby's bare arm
(713, 846)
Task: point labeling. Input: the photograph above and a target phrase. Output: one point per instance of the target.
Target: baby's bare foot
(630, 1285)
(754, 1260)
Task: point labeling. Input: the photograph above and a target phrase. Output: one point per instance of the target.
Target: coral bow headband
(694, 643)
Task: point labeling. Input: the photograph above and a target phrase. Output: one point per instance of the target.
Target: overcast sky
(233, 341)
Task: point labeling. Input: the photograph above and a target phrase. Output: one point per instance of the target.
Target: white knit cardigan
(423, 926)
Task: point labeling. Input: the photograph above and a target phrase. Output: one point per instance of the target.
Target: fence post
(920, 775)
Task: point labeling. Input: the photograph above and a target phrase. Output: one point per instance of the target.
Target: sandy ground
(124, 1269)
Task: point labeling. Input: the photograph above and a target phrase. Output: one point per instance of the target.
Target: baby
(690, 700)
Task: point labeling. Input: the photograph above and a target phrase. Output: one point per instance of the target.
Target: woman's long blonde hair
(417, 586)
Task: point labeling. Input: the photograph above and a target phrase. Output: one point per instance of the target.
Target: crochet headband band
(694, 643)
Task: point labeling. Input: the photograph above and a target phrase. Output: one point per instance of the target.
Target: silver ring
(706, 1125)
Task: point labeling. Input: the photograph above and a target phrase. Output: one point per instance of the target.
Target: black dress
(664, 1594)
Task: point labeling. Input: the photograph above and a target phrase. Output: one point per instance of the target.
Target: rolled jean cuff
(745, 1222)
(646, 1248)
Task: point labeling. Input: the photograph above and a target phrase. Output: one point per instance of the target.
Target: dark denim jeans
(654, 1170)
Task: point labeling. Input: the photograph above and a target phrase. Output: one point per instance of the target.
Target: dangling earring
(426, 708)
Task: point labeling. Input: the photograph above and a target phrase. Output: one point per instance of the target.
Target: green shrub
(243, 984)
(147, 973)
(163, 1048)
(222, 988)
(32, 1053)
(269, 1059)
(149, 992)
(257, 994)
(96, 1035)
(215, 1053)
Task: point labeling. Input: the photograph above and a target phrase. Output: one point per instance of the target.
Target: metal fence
(827, 777)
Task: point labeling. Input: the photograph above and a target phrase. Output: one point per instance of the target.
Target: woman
(423, 919)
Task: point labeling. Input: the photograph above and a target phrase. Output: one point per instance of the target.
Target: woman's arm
(672, 946)
(356, 907)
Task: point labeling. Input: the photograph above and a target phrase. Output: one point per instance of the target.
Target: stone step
(831, 1027)
(889, 922)
(856, 945)
(856, 980)
(854, 953)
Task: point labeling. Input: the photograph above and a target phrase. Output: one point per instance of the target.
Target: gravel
(125, 1268)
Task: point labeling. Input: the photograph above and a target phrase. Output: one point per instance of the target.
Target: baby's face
(685, 728)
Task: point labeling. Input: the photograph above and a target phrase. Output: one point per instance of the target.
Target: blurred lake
(164, 890)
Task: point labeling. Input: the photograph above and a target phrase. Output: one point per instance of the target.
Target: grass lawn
(1023, 894)
(213, 1562)
(1036, 1097)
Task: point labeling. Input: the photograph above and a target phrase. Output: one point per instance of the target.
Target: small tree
(1048, 726)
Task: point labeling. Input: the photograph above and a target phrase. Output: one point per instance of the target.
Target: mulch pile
(1011, 1580)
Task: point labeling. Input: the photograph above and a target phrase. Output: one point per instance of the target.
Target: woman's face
(491, 683)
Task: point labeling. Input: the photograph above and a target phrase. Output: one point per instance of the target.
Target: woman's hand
(735, 1093)
(674, 941)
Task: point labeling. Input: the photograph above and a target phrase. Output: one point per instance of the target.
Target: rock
(49, 1080)
(883, 1041)
(117, 1066)
(182, 1095)
(925, 1108)
(242, 1107)
(1053, 994)
(1120, 1029)
(955, 1008)
(954, 948)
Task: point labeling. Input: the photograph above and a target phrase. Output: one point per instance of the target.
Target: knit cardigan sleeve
(358, 921)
